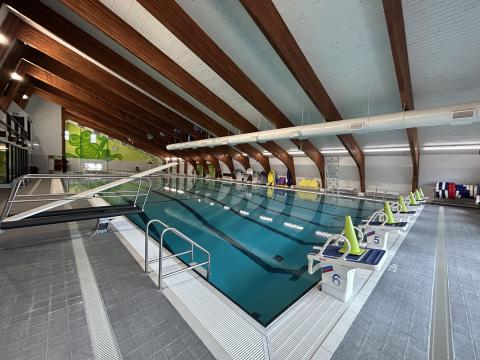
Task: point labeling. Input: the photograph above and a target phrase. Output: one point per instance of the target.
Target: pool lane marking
(291, 204)
(274, 211)
(103, 340)
(440, 335)
(297, 272)
(269, 228)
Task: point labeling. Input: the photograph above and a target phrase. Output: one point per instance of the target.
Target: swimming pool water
(258, 238)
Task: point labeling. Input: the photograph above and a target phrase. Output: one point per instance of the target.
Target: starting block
(338, 259)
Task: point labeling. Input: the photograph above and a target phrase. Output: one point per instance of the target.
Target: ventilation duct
(448, 115)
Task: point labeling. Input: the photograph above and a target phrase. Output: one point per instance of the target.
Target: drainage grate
(440, 336)
(103, 341)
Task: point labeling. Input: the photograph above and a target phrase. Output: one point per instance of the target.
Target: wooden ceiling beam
(398, 43)
(8, 29)
(270, 22)
(109, 23)
(99, 52)
(243, 160)
(171, 15)
(65, 68)
(69, 101)
(162, 122)
(9, 86)
(94, 49)
(97, 102)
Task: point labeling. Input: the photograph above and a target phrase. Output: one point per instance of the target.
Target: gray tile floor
(463, 250)
(42, 313)
(394, 323)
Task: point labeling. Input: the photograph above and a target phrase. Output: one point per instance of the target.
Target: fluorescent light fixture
(266, 153)
(24, 96)
(226, 208)
(180, 191)
(266, 218)
(244, 154)
(166, 188)
(173, 190)
(293, 226)
(16, 76)
(451, 147)
(244, 213)
(296, 152)
(333, 151)
(212, 203)
(386, 149)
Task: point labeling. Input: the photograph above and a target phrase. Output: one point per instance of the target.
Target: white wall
(460, 168)
(47, 127)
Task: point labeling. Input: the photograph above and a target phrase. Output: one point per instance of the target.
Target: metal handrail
(161, 257)
(26, 198)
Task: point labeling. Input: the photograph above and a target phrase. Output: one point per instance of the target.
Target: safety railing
(161, 258)
(139, 196)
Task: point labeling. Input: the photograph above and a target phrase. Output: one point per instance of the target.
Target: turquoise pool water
(258, 238)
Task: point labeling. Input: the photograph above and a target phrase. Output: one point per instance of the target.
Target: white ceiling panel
(97, 34)
(141, 20)
(448, 134)
(228, 24)
(347, 44)
(443, 39)
(383, 138)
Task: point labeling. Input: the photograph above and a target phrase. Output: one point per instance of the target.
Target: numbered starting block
(375, 238)
(338, 260)
(380, 221)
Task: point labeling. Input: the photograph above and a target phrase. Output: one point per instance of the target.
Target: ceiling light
(386, 149)
(16, 76)
(244, 154)
(244, 213)
(267, 153)
(24, 96)
(226, 208)
(451, 147)
(3, 39)
(333, 151)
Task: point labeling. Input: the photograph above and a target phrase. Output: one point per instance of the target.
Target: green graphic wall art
(79, 145)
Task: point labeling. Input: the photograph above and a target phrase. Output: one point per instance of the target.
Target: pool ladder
(161, 258)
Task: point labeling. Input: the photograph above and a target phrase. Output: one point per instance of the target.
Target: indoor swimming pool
(258, 237)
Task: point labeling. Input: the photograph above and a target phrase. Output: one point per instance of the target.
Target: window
(93, 138)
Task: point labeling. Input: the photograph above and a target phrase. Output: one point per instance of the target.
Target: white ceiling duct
(448, 115)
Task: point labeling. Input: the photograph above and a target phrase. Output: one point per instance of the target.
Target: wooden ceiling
(128, 103)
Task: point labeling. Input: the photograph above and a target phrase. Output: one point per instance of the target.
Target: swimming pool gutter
(323, 193)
